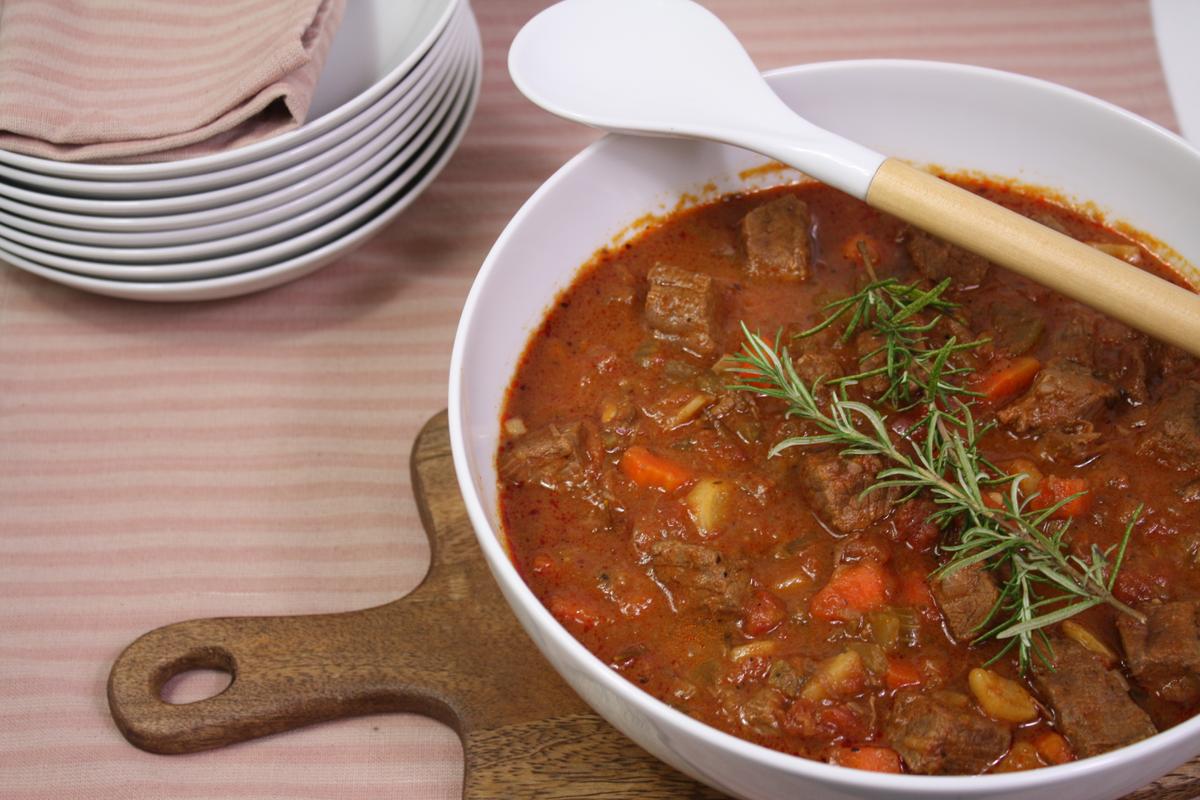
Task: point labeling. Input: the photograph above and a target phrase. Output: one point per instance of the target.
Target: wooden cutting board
(451, 650)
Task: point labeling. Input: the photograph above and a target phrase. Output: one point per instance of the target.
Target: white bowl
(396, 197)
(956, 116)
(274, 165)
(378, 42)
(436, 124)
(410, 134)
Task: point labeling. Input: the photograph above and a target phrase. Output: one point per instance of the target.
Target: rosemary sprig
(1019, 544)
(916, 371)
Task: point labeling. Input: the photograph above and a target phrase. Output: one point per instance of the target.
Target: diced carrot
(652, 471)
(1009, 379)
(764, 612)
(901, 673)
(1055, 489)
(1053, 748)
(875, 759)
(853, 589)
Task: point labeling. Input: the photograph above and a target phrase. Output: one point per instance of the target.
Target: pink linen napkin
(156, 80)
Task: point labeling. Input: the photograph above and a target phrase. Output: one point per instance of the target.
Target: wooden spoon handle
(287, 672)
(1138, 298)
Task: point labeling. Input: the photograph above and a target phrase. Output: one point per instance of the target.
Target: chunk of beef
(966, 597)
(1091, 703)
(1121, 356)
(941, 733)
(775, 237)
(1173, 435)
(937, 259)
(816, 365)
(553, 456)
(1063, 393)
(681, 307)
(835, 488)
(1163, 653)
(1072, 443)
(696, 575)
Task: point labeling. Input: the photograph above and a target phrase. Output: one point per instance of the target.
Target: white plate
(239, 211)
(242, 173)
(342, 156)
(410, 161)
(257, 280)
(357, 184)
(378, 42)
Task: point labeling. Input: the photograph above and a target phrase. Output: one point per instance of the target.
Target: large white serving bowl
(397, 195)
(411, 132)
(282, 167)
(377, 44)
(955, 116)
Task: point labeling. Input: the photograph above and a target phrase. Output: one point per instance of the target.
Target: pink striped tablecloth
(159, 463)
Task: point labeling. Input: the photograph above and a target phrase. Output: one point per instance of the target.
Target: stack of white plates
(395, 97)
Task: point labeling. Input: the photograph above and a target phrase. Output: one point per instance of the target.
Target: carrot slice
(1055, 489)
(651, 471)
(1053, 748)
(1002, 383)
(875, 759)
(901, 673)
(853, 590)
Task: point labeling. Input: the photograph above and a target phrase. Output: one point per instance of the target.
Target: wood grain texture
(451, 650)
(1137, 298)
(525, 733)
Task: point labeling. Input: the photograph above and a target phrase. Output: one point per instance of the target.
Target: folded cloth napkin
(156, 80)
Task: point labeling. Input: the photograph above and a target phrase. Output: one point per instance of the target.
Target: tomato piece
(764, 612)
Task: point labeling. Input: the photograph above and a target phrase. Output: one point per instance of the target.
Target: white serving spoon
(671, 68)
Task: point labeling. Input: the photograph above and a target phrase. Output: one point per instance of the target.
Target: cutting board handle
(286, 672)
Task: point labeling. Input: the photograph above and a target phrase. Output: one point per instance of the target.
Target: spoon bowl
(671, 68)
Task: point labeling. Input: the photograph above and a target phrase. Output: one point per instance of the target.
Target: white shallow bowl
(393, 198)
(276, 166)
(411, 133)
(955, 116)
(378, 42)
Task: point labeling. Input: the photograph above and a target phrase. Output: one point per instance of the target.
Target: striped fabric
(159, 463)
(156, 79)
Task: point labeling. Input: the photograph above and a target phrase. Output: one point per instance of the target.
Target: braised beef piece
(835, 488)
(937, 259)
(1072, 443)
(553, 456)
(775, 237)
(1173, 435)
(681, 307)
(1063, 393)
(1091, 703)
(966, 598)
(760, 713)
(1121, 356)
(1163, 653)
(698, 575)
(941, 733)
